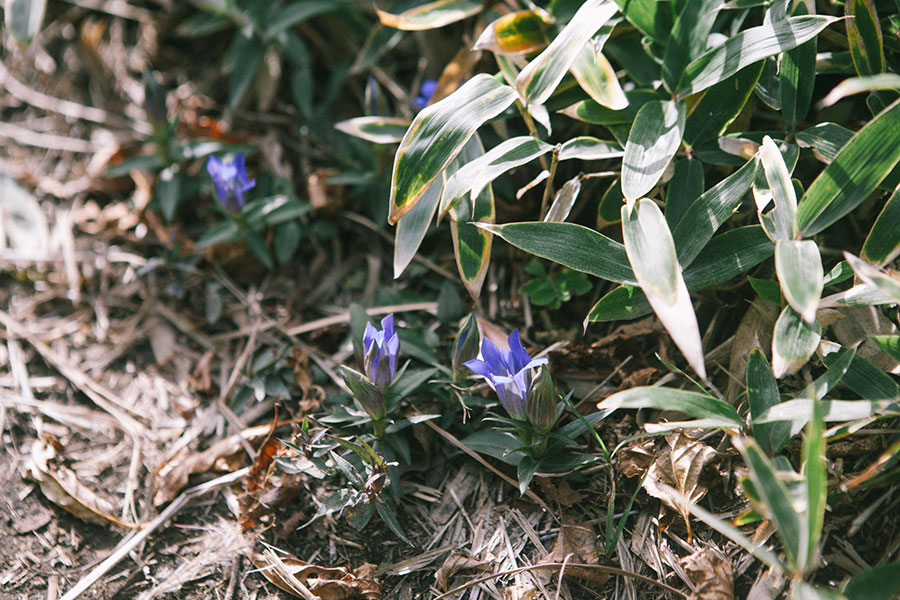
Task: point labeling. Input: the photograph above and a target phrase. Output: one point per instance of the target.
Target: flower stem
(378, 427)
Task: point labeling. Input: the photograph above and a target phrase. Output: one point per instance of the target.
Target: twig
(345, 316)
(556, 565)
(131, 542)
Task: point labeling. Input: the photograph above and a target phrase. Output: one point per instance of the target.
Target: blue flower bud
(540, 405)
(380, 350)
(230, 179)
(369, 397)
(426, 91)
(155, 104)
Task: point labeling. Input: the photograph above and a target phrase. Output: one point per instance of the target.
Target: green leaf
(797, 72)
(798, 411)
(884, 237)
(594, 113)
(748, 47)
(258, 247)
(412, 227)
(864, 35)
(438, 134)
(762, 394)
(775, 497)
(720, 105)
(686, 185)
(537, 81)
(226, 231)
(767, 289)
(860, 166)
(242, 60)
(498, 444)
(24, 17)
(710, 211)
(798, 265)
(889, 344)
(431, 15)
(726, 256)
(651, 17)
(471, 244)
(570, 245)
(598, 78)
(473, 176)
(168, 191)
(652, 142)
(586, 147)
(693, 404)
(878, 583)
(864, 378)
(378, 130)
(519, 32)
(287, 239)
(793, 342)
(816, 480)
(387, 515)
(297, 12)
(825, 139)
(688, 38)
(651, 251)
(525, 472)
(779, 221)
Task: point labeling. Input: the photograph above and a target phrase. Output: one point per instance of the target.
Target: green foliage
(553, 290)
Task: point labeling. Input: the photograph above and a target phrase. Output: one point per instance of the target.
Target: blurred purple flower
(230, 179)
(426, 91)
(380, 349)
(508, 372)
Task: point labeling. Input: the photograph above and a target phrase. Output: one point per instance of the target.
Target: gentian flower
(368, 396)
(508, 372)
(230, 179)
(155, 103)
(380, 350)
(426, 91)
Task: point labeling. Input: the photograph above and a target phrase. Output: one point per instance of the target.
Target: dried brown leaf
(577, 543)
(201, 379)
(857, 327)
(711, 573)
(519, 591)
(312, 582)
(754, 331)
(635, 458)
(61, 486)
(455, 563)
(559, 491)
(680, 466)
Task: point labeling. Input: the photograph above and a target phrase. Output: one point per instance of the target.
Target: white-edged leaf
(793, 342)
(598, 78)
(539, 78)
(378, 130)
(564, 200)
(586, 147)
(473, 176)
(24, 17)
(412, 227)
(652, 142)
(798, 265)
(875, 277)
(432, 15)
(437, 135)
(693, 404)
(748, 47)
(779, 221)
(651, 252)
(858, 85)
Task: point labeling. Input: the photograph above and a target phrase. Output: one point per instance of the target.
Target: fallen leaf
(163, 341)
(635, 458)
(61, 486)
(312, 582)
(577, 543)
(455, 563)
(680, 466)
(201, 379)
(559, 491)
(754, 331)
(519, 591)
(859, 324)
(711, 573)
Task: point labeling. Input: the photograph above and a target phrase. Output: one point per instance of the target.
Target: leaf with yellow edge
(432, 15)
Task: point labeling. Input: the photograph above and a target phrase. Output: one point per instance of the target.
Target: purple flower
(380, 348)
(426, 91)
(508, 372)
(230, 179)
